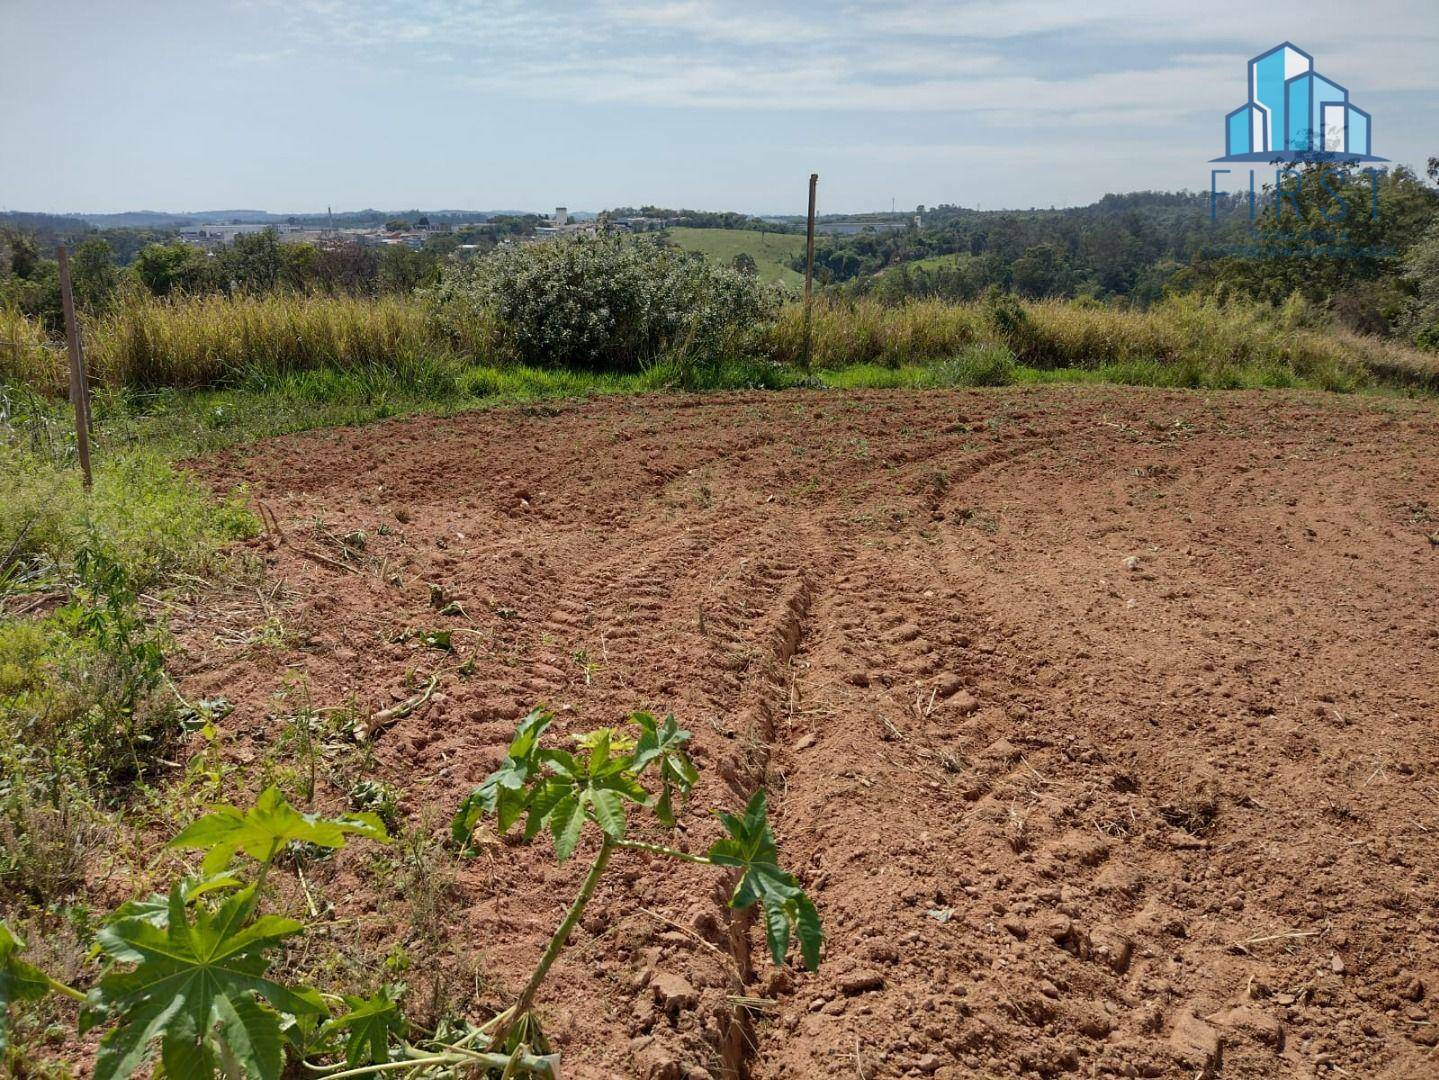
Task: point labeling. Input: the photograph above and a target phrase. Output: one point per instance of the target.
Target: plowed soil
(1100, 723)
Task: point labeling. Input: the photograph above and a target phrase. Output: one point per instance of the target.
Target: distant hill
(168, 219)
(22, 221)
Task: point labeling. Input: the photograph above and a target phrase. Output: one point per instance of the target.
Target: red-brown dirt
(1100, 723)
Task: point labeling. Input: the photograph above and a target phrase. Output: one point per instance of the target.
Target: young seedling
(561, 792)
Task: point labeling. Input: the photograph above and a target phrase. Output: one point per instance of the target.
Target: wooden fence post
(79, 385)
(809, 268)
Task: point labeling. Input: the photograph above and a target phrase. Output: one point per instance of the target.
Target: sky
(295, 105)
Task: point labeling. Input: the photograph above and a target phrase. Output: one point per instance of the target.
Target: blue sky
(299, 104)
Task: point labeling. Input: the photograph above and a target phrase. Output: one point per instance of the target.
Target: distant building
(216, 236)
(561, 225)
(850, 228)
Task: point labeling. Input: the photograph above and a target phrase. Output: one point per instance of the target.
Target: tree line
(1362, 246)
(104, 263)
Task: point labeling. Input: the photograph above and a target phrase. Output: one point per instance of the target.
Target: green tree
(92, 270)
(253, 262)
(403, 269)
(21, 251)
(173, 267)
(1421, 276)
(1325, 230)
(745, 264)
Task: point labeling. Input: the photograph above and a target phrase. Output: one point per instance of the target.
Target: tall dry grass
(1185, 332)
(212, 340)
(28, 357)
(216, 340)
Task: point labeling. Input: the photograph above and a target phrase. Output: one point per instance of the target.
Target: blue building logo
(1294, 114)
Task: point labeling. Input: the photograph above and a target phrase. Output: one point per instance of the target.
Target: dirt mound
(1099, 723)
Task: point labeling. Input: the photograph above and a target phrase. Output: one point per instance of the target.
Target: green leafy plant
(198, 985)
(602, 303)
(561, 791)
(20, 981)
(268, 828)
(188, 969)
(369, 1026)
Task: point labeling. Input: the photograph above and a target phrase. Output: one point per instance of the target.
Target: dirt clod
(859, 982)
(1196, 1042)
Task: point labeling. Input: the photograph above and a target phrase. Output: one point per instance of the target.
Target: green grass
(771, 252)
(930, 262)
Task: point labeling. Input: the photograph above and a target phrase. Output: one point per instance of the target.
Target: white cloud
(965, 56)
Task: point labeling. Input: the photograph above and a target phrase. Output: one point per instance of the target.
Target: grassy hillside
(770, 251)
(930, 262)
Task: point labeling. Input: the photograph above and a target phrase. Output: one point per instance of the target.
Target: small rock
(948, 685)
(1113, 949)
(1196, 1041)
(929, 1063)
(1059, 928)
(1336, 963)
(964, 702)
(883, 952)
(1253, 1022)
(1095, 1025)
(652, 1061)
(1131, 563)
(858, 982)
(1001, 751)
(673, 992)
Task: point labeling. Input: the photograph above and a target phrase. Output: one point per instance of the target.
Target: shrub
(981, 365)
(602, 303)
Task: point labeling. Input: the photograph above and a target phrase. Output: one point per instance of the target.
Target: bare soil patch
(1100, 723)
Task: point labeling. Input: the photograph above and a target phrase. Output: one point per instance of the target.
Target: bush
(984, 365)
(601, 303)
